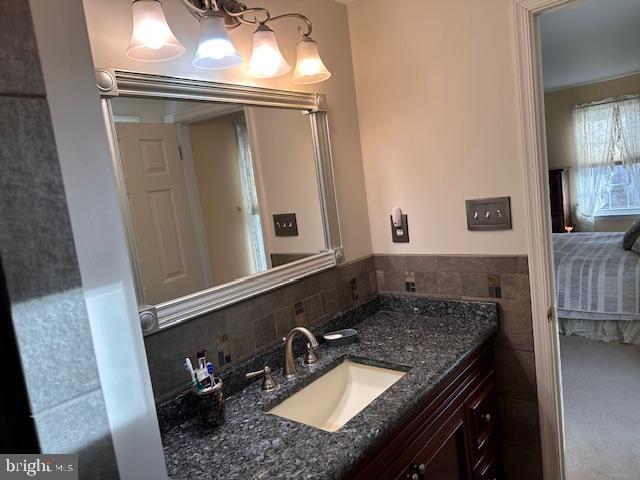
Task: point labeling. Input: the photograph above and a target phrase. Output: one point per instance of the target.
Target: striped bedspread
(595, 278)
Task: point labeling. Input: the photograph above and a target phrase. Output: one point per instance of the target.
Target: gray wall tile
(521, 463)
(313, 309)
(523, 264)
(515, 328)
(501, 264)
(80, 426)
(264, 330)
(515, 285)
(460, 263)
(241, 341)
(516, 374)
(449, 283)
(21, 73)
(520, 423)
(285, 320)
(421, 263)
(33, 208)
(426, 282)
(56, 348)
(475, 285)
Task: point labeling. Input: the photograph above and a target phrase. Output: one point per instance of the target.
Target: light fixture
(215, 50)
(151, 39)
(309, 66)
(266, 59)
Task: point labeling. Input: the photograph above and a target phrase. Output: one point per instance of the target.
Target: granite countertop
(254, 444)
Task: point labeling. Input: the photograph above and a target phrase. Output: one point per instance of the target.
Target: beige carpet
(601, 391)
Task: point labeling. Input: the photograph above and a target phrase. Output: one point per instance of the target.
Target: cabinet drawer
(482, 415)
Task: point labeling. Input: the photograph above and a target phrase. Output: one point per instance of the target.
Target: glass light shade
(266, 59)
(309, 66)
(215, 50)
(152, 39)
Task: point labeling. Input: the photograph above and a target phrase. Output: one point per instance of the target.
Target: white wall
(286, 171)
(221, 198)
(109, 24)
(436, 93)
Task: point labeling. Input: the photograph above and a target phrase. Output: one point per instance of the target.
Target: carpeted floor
(601, 392)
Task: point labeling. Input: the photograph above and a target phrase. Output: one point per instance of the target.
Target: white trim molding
(545, 333)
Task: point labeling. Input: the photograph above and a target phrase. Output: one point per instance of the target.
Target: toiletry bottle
(202, 374)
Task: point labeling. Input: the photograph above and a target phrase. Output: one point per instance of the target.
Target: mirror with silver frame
(226, 191)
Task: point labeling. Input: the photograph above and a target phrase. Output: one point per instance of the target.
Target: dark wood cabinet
(560, 200)
(451, 435)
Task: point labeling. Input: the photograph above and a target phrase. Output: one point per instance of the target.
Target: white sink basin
(337, 396)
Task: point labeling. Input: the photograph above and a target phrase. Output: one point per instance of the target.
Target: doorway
(593, 438)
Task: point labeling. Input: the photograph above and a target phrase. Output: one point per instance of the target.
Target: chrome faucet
(289, 369)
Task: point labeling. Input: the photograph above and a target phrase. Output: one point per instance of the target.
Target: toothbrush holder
(209, 404)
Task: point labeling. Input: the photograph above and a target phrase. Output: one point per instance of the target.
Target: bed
(597, 287)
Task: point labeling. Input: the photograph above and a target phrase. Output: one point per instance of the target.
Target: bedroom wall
(560, 147)
(109, 25)
(283, 154)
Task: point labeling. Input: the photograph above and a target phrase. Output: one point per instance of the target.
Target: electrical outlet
(401, 234)
(285, 224)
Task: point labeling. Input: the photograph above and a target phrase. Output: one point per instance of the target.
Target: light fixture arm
(240, 15)
(239, 11)
(304, 32)
(198, 13)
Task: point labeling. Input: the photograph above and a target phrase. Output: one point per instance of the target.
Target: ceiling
(596, 40)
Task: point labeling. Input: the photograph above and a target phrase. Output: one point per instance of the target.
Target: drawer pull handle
(487, 418)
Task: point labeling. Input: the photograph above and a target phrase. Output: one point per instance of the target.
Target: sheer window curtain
(628, 117)
(250, 196)
(594, 146)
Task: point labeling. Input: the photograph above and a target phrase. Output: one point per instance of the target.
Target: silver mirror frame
(114, 83)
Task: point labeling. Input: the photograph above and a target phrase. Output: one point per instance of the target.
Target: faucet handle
(268, 383)
(310, 358)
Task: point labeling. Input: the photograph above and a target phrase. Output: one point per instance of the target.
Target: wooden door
(160, 210)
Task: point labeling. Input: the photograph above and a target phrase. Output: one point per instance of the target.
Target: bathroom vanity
(413, 398)
(452, 434)
(438, 420)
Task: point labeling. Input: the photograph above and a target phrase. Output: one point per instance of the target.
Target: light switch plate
(285, 224)
(489, 214)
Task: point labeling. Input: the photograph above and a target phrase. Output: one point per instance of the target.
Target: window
(621, 194)
(607, 136)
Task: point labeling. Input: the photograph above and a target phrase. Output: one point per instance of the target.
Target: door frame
(536, 195)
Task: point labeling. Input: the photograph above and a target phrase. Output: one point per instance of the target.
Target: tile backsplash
(238, 331)
(500, 279)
